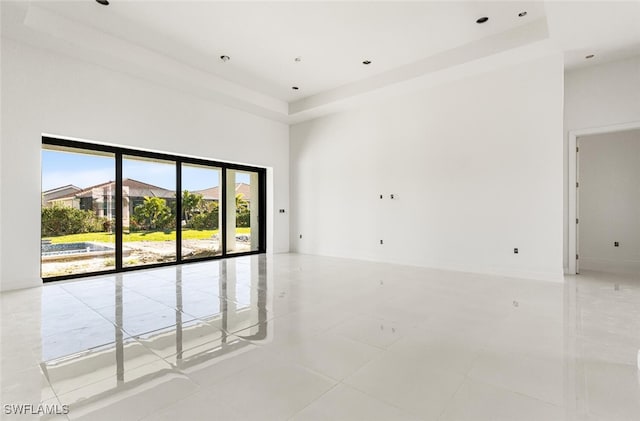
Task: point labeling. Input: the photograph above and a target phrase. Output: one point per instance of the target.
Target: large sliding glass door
(110, 209)
(77, 212)
(148, 211)
(201, 216)
(243, 204)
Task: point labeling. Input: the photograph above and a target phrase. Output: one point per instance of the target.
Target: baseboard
(19, 284)
(609, 265)
(550, 276)
(556, 276)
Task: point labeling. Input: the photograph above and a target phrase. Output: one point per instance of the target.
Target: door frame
(573, 180)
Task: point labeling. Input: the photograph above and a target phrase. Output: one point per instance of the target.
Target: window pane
(242, 211)
(201, 217)
(78, 211)
(148, 211)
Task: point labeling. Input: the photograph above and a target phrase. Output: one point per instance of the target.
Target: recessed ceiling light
(297, 59)
(103, 2)
(522, 14)
(482, 19)
(225, 58)
(295, 88)
(367, 62)
(590, 56)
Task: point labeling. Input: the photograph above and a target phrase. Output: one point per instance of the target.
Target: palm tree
(154, 213)
(242, 211)
(241, 204)
(190, 203)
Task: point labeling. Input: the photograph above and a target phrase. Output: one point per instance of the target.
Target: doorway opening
(607, 201)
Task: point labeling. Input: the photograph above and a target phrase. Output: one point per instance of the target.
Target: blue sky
(84, 170)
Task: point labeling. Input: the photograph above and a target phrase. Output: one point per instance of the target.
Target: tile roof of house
(244, 190)
(88, 189)
(140, 189)
(136, 189)
(54, 190)
(213, 193)
(60, 193)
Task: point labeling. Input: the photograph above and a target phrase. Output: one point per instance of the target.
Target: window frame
(178, 160)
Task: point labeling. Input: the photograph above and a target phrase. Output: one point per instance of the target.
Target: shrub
(204, 221)
(153, 214)
(61, 220)
(243, 219)
(192, 204)
(243, 214)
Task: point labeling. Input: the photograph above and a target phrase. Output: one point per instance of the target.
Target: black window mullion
(223, 209)
(179, 211)
(262, 206)
(119, 203)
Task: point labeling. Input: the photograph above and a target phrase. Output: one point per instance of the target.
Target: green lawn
(105, 237)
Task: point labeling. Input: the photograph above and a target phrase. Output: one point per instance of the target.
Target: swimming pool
(72, 248)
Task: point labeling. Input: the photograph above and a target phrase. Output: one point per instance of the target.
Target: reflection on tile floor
(315, 338)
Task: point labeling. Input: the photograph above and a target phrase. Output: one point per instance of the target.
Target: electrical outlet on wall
(515, 250)
(616, 244)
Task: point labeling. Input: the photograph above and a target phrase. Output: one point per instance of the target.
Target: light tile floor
(315, 338)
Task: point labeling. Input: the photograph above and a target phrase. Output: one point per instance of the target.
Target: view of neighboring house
(60, 195)
(101, 197)
(213, 193)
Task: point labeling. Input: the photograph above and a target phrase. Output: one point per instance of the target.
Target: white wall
(609, 202)
(476, 166)
(598, 96)
(44, 92)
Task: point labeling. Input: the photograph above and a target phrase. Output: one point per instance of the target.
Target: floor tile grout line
(354, 387)
(314, 400)
(446, 404)
(505, 389)
(108, 377)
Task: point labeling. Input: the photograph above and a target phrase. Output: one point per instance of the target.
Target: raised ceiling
(264, 38)
(404, 41)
